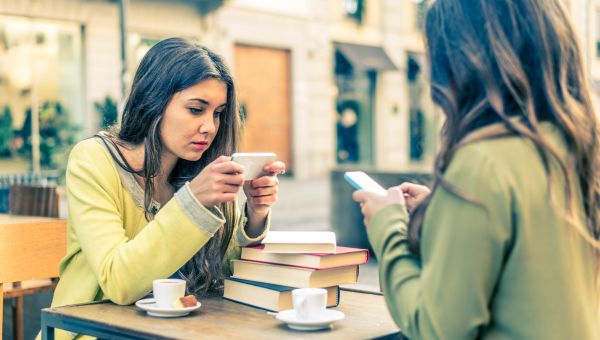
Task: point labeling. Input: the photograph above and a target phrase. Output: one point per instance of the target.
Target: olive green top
(512, 270)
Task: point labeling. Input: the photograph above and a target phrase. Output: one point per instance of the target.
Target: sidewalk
(302, 205)
(305, 205)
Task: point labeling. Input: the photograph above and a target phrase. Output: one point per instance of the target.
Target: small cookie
(188, 301)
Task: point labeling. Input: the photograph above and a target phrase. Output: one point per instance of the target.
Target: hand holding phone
(253, 162)
(361, 181)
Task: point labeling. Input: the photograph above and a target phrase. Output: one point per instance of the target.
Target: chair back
(23, 201)
(33, 200)
(30, 248)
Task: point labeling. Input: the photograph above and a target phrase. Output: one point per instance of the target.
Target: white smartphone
(253, 162)
(361, 181)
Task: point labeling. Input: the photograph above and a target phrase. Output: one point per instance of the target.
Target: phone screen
(361, 181)
(253, 162)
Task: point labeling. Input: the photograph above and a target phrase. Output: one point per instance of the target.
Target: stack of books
(265, 275)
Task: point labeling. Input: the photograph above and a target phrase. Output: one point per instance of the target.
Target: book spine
(336, 304)
(252, 258)
(284, 264)
(305, 267)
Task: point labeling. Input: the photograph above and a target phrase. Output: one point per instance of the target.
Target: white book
(299, 242)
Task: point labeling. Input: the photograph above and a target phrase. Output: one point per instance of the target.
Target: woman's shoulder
(92, 144)
(90, 161)
(494, 160)
(509, 146)
(488, 165)
(507, 163)
(91, 150)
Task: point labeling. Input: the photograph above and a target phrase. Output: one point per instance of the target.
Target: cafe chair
(30, 250)
(33, 200)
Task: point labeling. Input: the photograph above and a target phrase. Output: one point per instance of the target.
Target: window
(354, 9)
(137, 47)
(597, 35)
(41, 68)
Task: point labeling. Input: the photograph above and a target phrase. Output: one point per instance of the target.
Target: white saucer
(291, 318)
(149, 305)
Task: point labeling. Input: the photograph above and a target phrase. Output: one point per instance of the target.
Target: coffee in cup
(167, 291)
(309, 303)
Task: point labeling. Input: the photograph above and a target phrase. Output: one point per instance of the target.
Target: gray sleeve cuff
(208, 220)
(242, 238)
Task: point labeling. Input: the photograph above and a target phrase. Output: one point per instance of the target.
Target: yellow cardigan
(512, 270)
(113, 252)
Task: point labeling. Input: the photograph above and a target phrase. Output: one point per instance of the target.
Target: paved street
(302, 205)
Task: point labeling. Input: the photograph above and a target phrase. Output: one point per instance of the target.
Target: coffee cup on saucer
(167, 291)
(309, 303)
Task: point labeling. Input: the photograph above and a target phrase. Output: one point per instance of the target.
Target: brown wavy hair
(516, 63)
(171, 66)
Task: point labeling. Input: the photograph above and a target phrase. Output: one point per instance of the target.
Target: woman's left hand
(371, 203)
(261, 193)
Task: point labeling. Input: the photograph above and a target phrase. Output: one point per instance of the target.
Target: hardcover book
(299, 242)
(294, 276)
(268, 296)
(343, 256)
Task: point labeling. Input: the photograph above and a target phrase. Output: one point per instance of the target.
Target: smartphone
(361, 181)
(253, 162)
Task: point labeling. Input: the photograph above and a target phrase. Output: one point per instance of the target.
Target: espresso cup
(166, 291)
(309, 303)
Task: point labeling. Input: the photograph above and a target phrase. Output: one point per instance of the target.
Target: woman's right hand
(218, 182)
(414, 194)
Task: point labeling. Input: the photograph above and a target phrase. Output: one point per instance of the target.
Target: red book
(294, 276)
(343, 256)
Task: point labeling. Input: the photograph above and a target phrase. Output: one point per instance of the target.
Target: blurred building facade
(587, 18)
(586, 21)
(321, 82)
(299, 64)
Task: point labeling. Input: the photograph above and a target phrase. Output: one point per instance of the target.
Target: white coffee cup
(166, 291)
(309, 303)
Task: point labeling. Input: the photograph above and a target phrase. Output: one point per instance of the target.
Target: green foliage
(107, 109)
(57, 134)
(6, 133)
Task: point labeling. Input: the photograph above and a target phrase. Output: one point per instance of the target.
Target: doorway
(264, 97)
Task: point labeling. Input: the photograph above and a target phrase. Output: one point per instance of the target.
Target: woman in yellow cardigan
(506, 245)
(157, 197)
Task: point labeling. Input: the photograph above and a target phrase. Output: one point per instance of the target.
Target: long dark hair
(516, 63)
(171, 66)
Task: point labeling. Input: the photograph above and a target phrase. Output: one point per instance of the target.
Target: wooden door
(263, 78)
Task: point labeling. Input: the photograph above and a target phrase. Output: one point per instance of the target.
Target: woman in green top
(157, 197)
(506, 244)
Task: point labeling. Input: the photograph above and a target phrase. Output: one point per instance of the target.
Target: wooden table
(366, 317)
